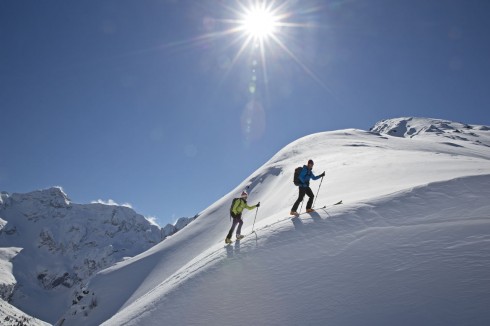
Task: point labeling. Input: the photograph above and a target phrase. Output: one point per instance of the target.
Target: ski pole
(255, 219)
(317, 192)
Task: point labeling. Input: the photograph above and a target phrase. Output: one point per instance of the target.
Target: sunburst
(259, 22)
(265, 25)
(262, 29)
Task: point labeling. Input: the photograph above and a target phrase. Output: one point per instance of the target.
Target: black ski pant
(236, 220)
(301, 195)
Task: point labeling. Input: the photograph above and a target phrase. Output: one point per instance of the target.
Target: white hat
(244, 194)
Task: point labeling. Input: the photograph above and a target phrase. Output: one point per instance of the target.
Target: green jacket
(239, 205)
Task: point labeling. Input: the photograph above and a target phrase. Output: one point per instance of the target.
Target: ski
(337, 203)
(299, 214)
(323, 207)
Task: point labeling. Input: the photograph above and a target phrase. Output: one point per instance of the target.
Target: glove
(323, 174)
(258, 205)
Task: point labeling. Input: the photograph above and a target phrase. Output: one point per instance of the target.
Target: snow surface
(49, 247)
(409, 246)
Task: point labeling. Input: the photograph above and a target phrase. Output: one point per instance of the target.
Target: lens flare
(253, 121)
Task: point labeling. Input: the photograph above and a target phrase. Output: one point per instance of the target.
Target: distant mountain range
(51, 246)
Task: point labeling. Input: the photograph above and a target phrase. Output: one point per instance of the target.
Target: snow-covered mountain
(409, 246)
(50, 247)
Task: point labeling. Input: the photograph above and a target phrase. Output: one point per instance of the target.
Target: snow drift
(410, 245)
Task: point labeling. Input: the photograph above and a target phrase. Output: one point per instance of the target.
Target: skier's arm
(317, 177)
(250, 207)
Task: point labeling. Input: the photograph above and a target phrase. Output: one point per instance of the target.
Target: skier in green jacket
(237, 207)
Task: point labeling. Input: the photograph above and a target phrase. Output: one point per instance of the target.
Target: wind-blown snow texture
(409, 246)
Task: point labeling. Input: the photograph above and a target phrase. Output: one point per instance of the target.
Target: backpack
(296, 180)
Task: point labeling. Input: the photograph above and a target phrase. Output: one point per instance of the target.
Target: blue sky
(160, 105)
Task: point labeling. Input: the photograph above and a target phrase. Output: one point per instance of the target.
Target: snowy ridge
(415, 209)
(412, 127)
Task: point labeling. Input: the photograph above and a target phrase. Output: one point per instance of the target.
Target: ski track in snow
(333, 232)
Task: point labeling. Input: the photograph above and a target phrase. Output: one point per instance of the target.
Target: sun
(259, 22)
(263, 31)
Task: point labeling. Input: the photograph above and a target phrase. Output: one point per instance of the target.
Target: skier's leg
(310, 200)
(239, 229)
(301, 194)
(230, 233)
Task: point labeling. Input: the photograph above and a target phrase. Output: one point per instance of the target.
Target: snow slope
(410, 245)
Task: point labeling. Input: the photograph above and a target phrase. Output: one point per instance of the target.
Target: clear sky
(167, 105)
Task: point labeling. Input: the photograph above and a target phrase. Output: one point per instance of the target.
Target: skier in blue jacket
(304, 188)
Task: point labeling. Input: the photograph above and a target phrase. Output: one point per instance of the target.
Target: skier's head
(310, 164)
(244, 195)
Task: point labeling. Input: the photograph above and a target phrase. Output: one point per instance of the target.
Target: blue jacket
(305, 175)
